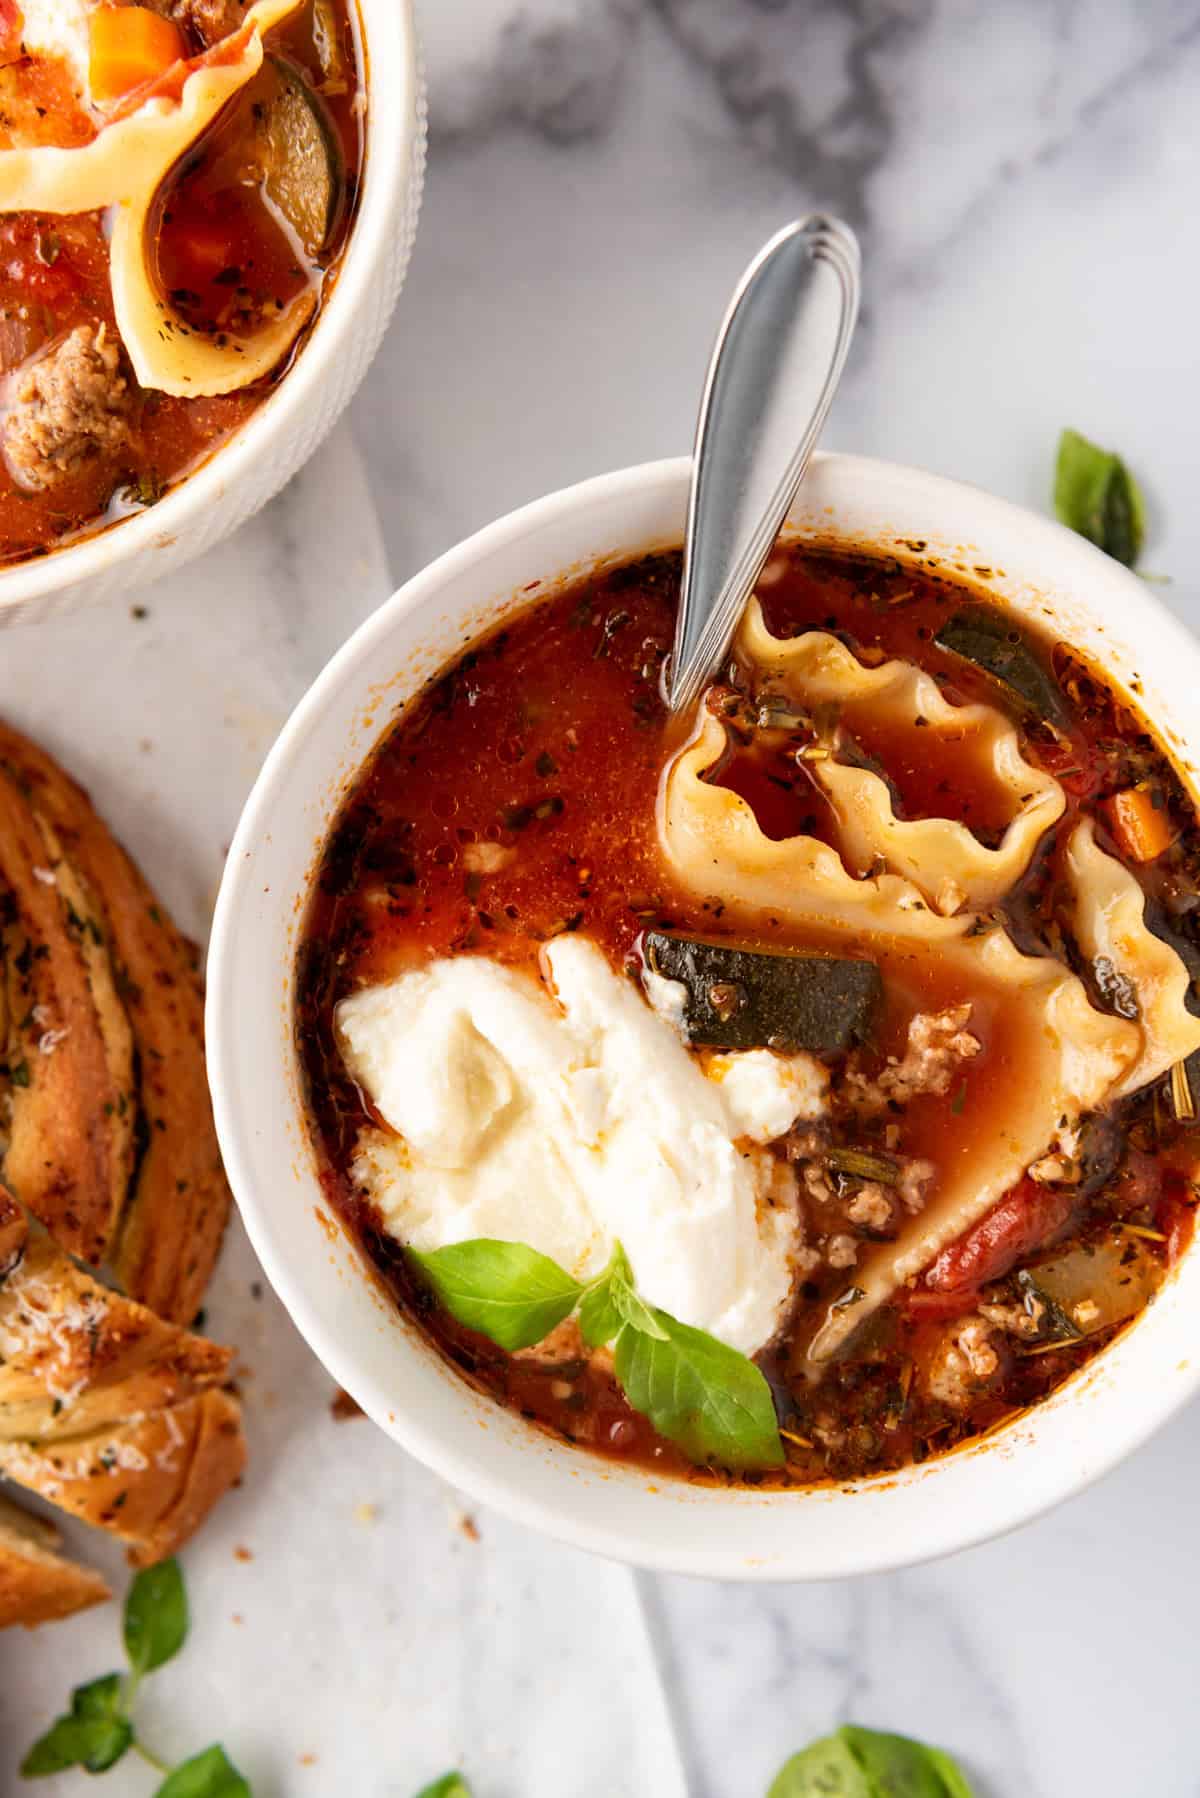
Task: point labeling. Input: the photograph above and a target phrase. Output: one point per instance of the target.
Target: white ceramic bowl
(1046, 573)
(285, 430)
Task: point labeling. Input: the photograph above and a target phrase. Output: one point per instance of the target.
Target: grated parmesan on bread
(106, 1410)
(151, 1481)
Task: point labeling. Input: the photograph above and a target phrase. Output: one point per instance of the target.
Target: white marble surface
(1023, 175)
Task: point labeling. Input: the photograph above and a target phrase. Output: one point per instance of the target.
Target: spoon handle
(774, 369)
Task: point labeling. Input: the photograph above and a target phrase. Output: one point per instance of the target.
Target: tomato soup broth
(516, 801)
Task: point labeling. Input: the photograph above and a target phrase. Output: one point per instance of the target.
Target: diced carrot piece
(129, 46)
(1140, 821)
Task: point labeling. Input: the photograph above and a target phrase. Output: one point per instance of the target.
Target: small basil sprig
(93, 1734)
(1095, 494)
(710, 1401)
(98, 1729)
(450, 1785)
(868, 1763)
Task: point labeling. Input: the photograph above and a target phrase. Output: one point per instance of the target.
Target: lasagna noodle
(124, 166)
(940, 856)
(1110, 925)
(1070, 1057)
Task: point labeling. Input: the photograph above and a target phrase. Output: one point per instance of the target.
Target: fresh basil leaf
(450, 1785)
(93, 1742)
(599, 1319)
(898, 1767)
(156, 1617)
(867, 1763)
(710, 1401)
(210, 1774)
(62, 1746)
(612, 1301)
(953, 1777)
(634, 1310)
(505, 1290)
(825, 1769)
(108, 1739)
(1095, 494)
(100, 1705)
(99, 1698)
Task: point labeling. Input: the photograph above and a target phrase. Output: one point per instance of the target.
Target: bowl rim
(389, 147)
(1158, 1400)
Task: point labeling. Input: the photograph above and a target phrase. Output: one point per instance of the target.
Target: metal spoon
(771, 379)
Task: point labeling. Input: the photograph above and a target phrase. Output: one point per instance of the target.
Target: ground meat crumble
(70, 405)
(937, 1042)
(965, 1362)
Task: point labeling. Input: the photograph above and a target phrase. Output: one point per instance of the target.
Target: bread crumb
(241, 1553)
(365, 1513)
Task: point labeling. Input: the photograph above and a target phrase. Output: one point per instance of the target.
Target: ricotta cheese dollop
(574, 1120)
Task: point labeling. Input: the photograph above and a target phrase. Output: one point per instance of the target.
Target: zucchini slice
(753, 999)
(303, 172)
(1096, 1285)
(988, 637)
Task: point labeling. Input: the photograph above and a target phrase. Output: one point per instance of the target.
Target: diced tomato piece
(1023, 1220)
(1069, 759)
(31, 255)
(922, 1301)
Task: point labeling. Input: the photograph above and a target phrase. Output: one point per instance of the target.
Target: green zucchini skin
(753, 999)
(988, 637)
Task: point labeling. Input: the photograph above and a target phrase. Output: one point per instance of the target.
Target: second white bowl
(280, 436)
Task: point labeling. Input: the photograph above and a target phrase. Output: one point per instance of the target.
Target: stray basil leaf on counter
(450, 1785)
(99, 1728)
(209, 1774)
(156, 1617)
(505, 1290)
(94, 1735)
(825, 1769)
(710, 1401)
(94, 1743)
(869, 1763)
(1095, 494)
